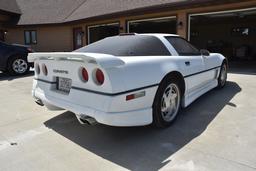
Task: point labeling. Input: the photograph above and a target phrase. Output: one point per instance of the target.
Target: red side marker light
(130, 97)
(135, 96)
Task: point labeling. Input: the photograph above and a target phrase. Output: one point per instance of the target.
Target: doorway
(78, 38)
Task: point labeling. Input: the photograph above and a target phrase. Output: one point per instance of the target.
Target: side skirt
(191, 97)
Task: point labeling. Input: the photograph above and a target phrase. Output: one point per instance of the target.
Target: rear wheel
(167, 103)
(223, 76)
(18, 65)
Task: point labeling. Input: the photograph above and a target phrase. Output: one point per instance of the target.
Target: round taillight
(44, 69)
(85, 75)
(99, 77)
(37, 69)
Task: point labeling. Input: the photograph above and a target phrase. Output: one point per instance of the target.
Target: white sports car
(127, 80)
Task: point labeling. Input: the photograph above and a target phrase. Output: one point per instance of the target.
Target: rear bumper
(128, 117)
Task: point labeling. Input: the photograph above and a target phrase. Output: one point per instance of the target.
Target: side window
(183, 47)
(30, 37)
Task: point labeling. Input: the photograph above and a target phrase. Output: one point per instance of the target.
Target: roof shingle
(9, 6)
(93, 8)
(46, 11)
(34, 12)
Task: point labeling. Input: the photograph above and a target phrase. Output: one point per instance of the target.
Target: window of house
(183, 47)
(30, 37)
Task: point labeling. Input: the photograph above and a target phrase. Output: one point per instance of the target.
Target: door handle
(187, 63)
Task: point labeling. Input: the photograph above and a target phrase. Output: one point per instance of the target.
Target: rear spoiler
(103, 60)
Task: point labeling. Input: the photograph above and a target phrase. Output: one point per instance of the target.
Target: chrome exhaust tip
(39, 102)
(84, 119)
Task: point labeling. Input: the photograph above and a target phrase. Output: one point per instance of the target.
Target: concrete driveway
(217, 132)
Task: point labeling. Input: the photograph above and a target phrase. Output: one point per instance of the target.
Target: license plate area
(63, 84)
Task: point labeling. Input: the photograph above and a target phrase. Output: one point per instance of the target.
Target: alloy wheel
(20, 66)
(170, 102)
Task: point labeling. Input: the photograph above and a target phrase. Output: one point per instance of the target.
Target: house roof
(9, 6)
(46, 11)
(34, 12)
(92, 8)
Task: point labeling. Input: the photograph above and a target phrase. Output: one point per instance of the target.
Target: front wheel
(167, 103)
(223, 76)
(18, 65)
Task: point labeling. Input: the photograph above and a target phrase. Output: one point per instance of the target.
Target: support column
(122, 28)
(182, 24)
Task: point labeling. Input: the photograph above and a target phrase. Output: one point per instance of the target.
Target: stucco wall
(49, 38)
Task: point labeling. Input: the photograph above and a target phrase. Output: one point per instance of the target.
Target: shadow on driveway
(145, 148)
(6, 77)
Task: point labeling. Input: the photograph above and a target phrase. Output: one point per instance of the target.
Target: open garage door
(153, 25)
(232, 33)
(99, 32)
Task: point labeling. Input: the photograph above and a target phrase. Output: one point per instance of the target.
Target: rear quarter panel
(146, 71)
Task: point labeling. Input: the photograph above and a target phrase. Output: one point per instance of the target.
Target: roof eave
(137, 11)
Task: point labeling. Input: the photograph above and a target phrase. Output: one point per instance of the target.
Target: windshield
(132, 45)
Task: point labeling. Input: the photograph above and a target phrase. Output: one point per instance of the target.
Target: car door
(193, 67)
(192, 63)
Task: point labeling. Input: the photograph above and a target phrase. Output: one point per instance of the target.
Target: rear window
(183, 47)
(128, 45)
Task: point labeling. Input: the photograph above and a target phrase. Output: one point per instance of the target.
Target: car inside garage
(152, 25)
(99, 32)
(232, 33)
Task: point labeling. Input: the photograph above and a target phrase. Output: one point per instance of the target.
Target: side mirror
(204, 52)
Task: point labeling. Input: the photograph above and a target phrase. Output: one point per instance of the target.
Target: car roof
(160, 34)
(149, 34)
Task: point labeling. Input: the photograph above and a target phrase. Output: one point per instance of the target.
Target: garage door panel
(153, 25)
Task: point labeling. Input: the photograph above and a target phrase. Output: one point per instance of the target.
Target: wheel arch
(225, 61)
(13, 55)
(157, 120)
(176, 75)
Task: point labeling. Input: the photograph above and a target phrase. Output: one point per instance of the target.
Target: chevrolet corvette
(127, 80)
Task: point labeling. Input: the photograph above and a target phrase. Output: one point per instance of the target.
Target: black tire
(24, 65)
(158, 118)
(222, 79)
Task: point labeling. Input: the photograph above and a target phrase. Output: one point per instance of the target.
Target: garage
(152, 25)
(98, 32)
(232, 33)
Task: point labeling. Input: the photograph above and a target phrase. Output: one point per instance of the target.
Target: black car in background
(13, 58)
